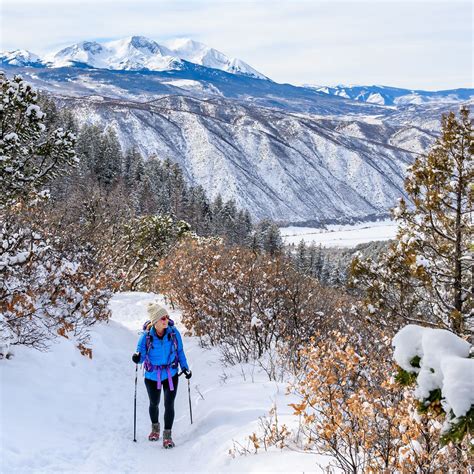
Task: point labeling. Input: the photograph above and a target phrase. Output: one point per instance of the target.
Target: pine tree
(267, 237)
(108, 165)
(30, 156)
(88, 149)
(216, 212)
(301, 257)
(132, 168)
(229, 217)
(243, 227)
(426, 275)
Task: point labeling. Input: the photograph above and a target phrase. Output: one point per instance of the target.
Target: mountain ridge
(134, 53)
(388, 95)
(293, 154)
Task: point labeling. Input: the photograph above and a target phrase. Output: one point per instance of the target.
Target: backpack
(149, 341)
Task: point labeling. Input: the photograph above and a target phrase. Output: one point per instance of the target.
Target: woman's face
(162, 323)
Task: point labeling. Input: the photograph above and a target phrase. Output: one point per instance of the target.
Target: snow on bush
(444, 373)
(47, 289)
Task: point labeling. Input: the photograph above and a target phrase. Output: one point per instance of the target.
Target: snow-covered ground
(341, 235)
(62, 412)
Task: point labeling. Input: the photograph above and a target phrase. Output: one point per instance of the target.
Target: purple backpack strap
(147, 365)
(175, 342)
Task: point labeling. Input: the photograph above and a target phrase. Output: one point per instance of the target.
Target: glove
(187, 373)
(136, 357)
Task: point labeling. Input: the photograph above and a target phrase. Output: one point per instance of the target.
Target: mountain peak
(143, 43)
(199, 53)
(20, 57)
(138, 53)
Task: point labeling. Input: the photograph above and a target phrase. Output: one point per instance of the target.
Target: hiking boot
(167, 441)
(155, 432)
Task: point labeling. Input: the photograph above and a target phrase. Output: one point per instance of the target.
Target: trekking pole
(189, 396)
(135, 407)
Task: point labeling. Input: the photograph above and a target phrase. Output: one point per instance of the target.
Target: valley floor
(63, 412)
(340, 235)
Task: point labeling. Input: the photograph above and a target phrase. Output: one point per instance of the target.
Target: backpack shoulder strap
(174, 339)
(148, 340)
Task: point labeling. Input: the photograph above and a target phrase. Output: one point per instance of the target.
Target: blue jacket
(162, 352)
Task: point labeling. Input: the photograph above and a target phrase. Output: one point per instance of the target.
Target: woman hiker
(160, 349)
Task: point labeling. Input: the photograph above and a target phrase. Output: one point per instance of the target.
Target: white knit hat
(156, 312)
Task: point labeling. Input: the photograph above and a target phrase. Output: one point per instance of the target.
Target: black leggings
(154, 396)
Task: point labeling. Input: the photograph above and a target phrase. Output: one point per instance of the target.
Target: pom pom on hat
(156, 312)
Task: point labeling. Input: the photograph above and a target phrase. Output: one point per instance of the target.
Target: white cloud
(423, 44)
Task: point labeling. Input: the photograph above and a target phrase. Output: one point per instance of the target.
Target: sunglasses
(164, 318)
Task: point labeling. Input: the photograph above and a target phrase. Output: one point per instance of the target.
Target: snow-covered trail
(62, 412)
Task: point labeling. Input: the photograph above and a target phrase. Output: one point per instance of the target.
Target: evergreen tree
(267, 237)
(199, 211)
(108, 165)
(301, 257)
(229, 220)
(30, 155)
(243, 227)
(216, 212)
(427, 273)
(132, 168)
(325, 270)
(88, 149)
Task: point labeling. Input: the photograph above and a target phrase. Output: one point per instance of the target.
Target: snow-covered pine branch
(439, 364)
(30, 155)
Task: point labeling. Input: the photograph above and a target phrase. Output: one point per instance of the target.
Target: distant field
(341, 235)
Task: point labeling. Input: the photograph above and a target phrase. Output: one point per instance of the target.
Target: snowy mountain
(383, 95)
(293, 154)
(279, 165)
(199, 53)
(130, 54)
(134, 53)
(20, 57)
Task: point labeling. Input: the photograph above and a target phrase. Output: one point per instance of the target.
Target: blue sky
(419, 44)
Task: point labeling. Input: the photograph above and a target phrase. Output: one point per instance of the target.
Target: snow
(35, 110)
(407, 344)
(422, 261)
(376, 98)
(458, 386)
(12, 136)
(137, 52)
(341, 235)
(63, 412)
(19, 57)
(444, 365)
(199, 53)
(256, 322)
(131, 53)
